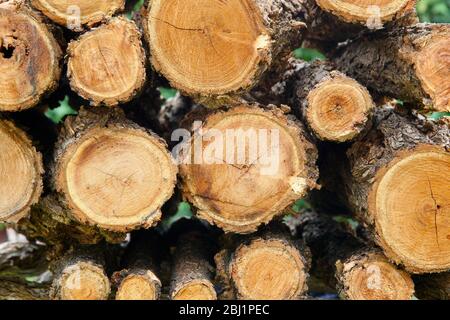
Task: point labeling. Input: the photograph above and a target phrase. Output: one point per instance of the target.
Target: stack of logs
(334, 134)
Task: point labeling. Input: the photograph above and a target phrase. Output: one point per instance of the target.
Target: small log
(107, 65)
(267, 266)
(139, 279)
(78, 14)
(21, 171)
(192, 270)
(409, 63)
(357, 271)
(256, 163)
(30, 58)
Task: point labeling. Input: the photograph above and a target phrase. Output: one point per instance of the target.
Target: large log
(408, 63)
(78, 14)
(107, 65)
(357, 271)
(396, 181)
(246, 165)
(269, 265)
(138, 280)
(21, 171)
(30, 58)
(217, 51)
(110, 172)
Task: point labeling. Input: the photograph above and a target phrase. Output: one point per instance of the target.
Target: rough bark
(433, 287)
(138, 280)
(76, 15)
(269, 265)
(192, 268)
(395, 180)
(335, 107)
(21, 170)
(357, 272)
(408, 63)
(30, 57)
(107, 65)
(80, 275)
(256, 161)
(111, 173)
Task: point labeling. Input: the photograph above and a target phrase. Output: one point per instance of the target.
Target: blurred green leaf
(167, 93)
(347, 220)
(184, 211)
(308, 54)
(438, 115)
(300, 205)
(2, 227)
(434, 11)
(137, 6)
(64, 109)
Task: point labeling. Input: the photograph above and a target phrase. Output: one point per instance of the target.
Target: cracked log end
(82, 281)
(21, 173)
(371, 276)
(365, 11)
(139, 287)
(273, 165)
(116, 178)
(200, 289)
(207, 47)
(29, 59)
(432, 67)
(338, 109)
(107, 65)
(90, 12)
(269, 270)
(410, 203)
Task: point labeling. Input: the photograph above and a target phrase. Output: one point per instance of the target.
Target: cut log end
(196, 290)
(366, 11)
(372, 277)
(107, 65)
(74, 14)
(411, 205)
(117, 178)
(206, 48)
(432, 68)
(338, 109)
(279, 168)
(269, 270)
(21, 171)
(83, 281)
(29, 59)
(139, 287)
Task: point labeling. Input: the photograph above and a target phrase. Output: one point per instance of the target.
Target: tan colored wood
(29, 58)
(85, 12)
(21, 173)
(139, 287)
(196, 290)
(107, 65)
(239, 197)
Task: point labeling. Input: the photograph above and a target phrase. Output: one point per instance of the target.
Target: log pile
(250, 133)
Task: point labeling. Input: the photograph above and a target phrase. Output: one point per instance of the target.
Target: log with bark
(192, 268)
(30, 57)
(111, 173)
(76, 15)
(217, 51)
(21, 171)
(408, 63)
(269, 265)
(80, 275)
(138, 280)
(246, 165)
(395, 179)
(357, 271)
(334, 106)
(107, 65)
